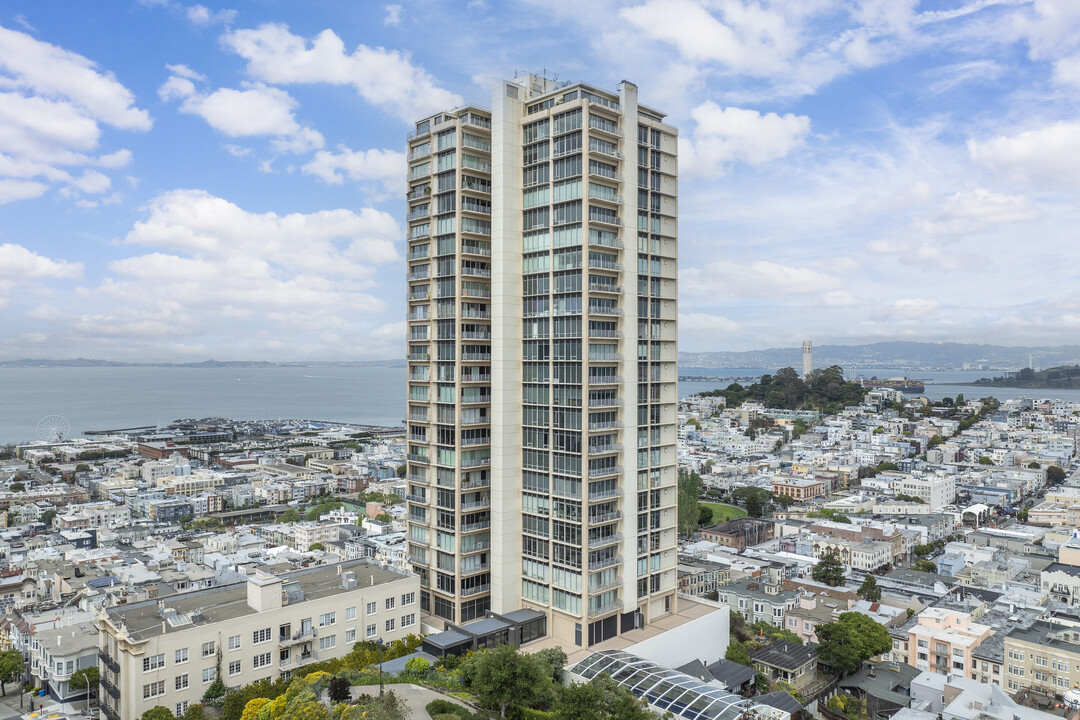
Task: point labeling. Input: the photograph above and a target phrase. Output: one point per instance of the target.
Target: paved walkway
(417, 697)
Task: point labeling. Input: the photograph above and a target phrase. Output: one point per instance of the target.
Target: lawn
(722, 513)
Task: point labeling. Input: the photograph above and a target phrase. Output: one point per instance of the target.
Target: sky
(182, 181)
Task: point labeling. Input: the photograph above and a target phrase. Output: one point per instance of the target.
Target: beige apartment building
(542, 358)
(167, 652)
(1045, 657)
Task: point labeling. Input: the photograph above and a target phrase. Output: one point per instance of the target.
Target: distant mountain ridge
(897, 355)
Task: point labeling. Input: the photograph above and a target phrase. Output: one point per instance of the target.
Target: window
(180, 656)
(181, 682)
(350, 613)
(408, 620)
(389, 603)
(234, 667)
(370, 631)
(208, 648)
(408, 598)
(371, 608)
(327, 641)
(260, 661)
(209, 675)
(153, 689)
(389, 625)
(153, 662)
(181, 708)
(350, 635)
(260, 636)
(327, 619)
(234, 642)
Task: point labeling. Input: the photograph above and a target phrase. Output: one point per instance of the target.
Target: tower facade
(807, 358)
(542, 359)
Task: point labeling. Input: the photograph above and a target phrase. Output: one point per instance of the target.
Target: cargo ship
(903, 384)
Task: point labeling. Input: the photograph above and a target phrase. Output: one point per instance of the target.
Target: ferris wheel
(53, 428)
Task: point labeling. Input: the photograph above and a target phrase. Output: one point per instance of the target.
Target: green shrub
(446, 710)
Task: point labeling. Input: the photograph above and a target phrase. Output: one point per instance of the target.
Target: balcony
(606, 358)
(604, 264)
(602, 449)
(413, 457)
(605, 379)
(416, 498)
(605, 540)
(609, 334)
(476, 378)
(108, 661)
(604, 609)
(605, 402)
(474, 441)
(414, 276)
(605, 425)
(605, 562)
(604, 518)
(473, 356)
(419, 357)
(475, 421)
(476, 590)
(475, 547)
(596, 495)
(418, 418)
(475, 335)
(472, 399)
(605, 288)
(478, 569)
(414, 478)
(594, 589)
(476, 462)
(297, 637)
(604, 310)
(475, 484)
(473, 527)
(417, 560)
(476, 272)
(109, 713)
(476, 504)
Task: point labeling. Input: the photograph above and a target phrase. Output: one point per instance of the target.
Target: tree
(925, 566)
(86, 679)
(503, 677)
(316, 546)
(1054, 474)
(829, 514)
(768, 632)
(736, 652)
(869, 589)
(687, 499)
(158, 712)
(195, 712)
(555, 659)
(47, 517)
(17, 487)
(829, 570)
(984, 460)
(784, 501)
(388, 706)
(290, 515)
(11, 667)
(601, 699)
(853, 638)
(401, 470)
(338, 689)
(705, 515)
(384, 517)
(254, 705)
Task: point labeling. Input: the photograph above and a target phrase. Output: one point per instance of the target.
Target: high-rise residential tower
(542, 358)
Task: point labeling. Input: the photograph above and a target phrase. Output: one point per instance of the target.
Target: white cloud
(17, 263)
(758, 279)
(202, 15)
(838, 298)
(966, 212)
(726, 135)
(906, 310)
(257, 110)
(212, 272)
(1067, 71)
(393, 15)
(872, 204)
(945, 78)
(51, 104)
(93, 183)
(1047, 155)
(703, 324)
(386, 78)
(381, 166)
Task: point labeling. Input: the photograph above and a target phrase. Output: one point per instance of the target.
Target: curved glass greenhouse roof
(684, 695)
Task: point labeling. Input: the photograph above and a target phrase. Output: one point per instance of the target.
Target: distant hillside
(897, 355)
(1051, 378)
